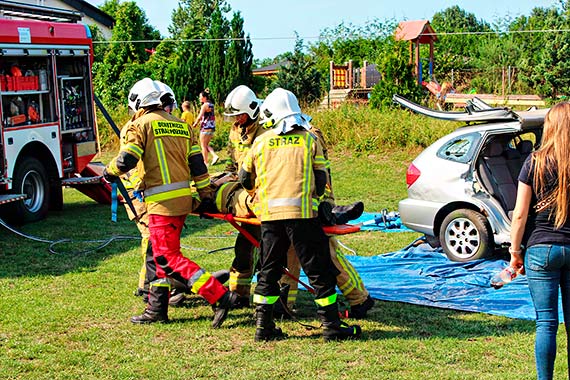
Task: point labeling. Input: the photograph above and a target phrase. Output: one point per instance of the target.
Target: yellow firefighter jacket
(167, 158)
(240, 142)
(284, 167)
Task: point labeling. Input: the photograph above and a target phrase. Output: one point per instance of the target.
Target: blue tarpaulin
(425, 276)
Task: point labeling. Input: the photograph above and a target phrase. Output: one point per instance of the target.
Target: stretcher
(236, 222)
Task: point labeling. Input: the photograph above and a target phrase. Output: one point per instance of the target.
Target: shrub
(358, 128)
(364, 130)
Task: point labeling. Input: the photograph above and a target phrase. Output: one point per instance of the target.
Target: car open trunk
(499, 164)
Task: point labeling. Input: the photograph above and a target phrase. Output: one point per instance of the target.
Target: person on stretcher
(232, 198)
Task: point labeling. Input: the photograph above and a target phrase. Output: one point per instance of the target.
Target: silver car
(462, 188)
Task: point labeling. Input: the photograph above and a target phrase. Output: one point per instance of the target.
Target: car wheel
(30, 178)
(465, 235)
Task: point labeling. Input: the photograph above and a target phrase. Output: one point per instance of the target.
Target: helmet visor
(230, 110)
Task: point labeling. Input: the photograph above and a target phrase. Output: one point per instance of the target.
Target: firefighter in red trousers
(131, 180)
(165, 150)
(286, 168)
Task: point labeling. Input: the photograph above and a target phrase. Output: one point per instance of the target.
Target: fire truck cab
(48, 132)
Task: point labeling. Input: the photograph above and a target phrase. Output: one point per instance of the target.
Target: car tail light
(412, 174)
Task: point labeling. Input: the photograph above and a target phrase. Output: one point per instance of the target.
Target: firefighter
(348, 280)
(131, 181)
(287, 170)
(242, 104)
(164, 149)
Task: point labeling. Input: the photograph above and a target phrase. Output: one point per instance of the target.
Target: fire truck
(48, 131)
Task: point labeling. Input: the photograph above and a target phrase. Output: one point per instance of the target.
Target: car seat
(496, 176)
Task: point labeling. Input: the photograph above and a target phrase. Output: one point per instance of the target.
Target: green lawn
(66, 315)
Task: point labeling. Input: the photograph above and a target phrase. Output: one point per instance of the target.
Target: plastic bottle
(503, 277)
(43, 80)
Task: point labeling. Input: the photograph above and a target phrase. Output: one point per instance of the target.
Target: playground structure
(355, 84)
(350, 84)
(417, 32)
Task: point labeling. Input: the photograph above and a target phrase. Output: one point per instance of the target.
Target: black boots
(242, 302)
(222, 307)
(343, 214)
(150, 316)
(157, 308)
(333, 328)
(329, 215)
(359, 311)
(326, 215)
(222, 275)
(266, 329)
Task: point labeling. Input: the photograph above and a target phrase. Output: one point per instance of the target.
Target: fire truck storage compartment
(74, 94)
(26, 94)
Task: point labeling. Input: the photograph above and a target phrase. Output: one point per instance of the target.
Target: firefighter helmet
(144, 93)
(242, 100)
(281, 111)
(167, 97)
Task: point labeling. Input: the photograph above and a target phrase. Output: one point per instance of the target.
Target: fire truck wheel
(30, 178)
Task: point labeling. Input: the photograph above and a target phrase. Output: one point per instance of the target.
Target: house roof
(273, 67)
(91, 11)
(415, 30)
(270, 69)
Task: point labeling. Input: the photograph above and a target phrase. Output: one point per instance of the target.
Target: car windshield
(459, 149)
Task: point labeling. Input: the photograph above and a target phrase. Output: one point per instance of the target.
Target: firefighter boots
(157, 308)
(242, 302)
(222, 307)
(333, 328)
(266, 329)
(326, 215)
(222, 275)
(345, 213)
(359, 311)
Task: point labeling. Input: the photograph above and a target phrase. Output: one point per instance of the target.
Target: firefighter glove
(207, 206)
(111, 178)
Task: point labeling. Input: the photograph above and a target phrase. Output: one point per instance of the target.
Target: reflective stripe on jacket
(170, 158)
(284, 170)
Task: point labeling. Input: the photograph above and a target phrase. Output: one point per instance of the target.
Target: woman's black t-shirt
(540, 225)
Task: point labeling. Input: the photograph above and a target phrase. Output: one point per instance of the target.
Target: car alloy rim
(462, 237)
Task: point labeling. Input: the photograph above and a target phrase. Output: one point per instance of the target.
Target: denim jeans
(548, 269)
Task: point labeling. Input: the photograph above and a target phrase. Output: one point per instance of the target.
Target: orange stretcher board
(339, 229)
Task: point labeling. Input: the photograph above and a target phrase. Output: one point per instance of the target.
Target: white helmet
(242, 100)
(167, 97)
(281, 110)
(144, 93)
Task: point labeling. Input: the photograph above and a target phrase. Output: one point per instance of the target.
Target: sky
(272, 24)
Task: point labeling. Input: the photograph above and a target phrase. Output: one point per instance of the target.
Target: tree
(113, 77)
(456, 51)
(553, 70)
(300, 75)
(239, 56)
(396, 75)
(214, 55)
(350, 42)
(214, 52)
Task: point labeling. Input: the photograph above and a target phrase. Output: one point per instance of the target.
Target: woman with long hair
(207, 121)
(542, 205)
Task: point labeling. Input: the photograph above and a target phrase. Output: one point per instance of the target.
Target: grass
(66, 315)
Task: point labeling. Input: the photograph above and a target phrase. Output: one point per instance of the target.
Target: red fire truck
(48, 132)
